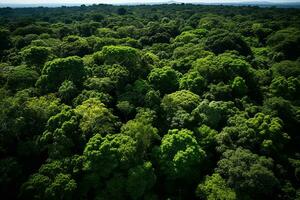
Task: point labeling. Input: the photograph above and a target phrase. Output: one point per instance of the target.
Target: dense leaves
(175, 101)
(57, 71)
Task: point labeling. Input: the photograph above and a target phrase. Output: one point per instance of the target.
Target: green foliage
(286, 68)
(179, 154)
(220, 91)
(164, 79)
(40, 109)
(172, 101)
(36, 56)
(67, 90)
(74, 46)
(104, 155)
(122, 11)
(57, 71)
(182, 99)
(206, 138)
(122, 55)
(141, 129)
(61, 187)
(222, 68)
(140, 180)
(215, 188)
(62, 134)
(177, 108)
(96, 118)
(262, 132)
(212, 21)
(287, 42)
(220, 41)
(249, 174)
(99, 84)
(135, 93)
(21, 77)
(214, 113)
(239, 87)
(193, 81)
(288, 88)
(51, 182)
(125, 56)
(88, 94)
(118, 74)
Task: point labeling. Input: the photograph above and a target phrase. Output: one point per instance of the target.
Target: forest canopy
(150, 102)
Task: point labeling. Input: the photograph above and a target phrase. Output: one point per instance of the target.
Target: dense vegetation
(150, 102)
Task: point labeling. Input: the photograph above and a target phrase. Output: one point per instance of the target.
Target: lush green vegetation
(150, 102)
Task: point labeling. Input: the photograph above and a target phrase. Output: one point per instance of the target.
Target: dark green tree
(57, 71)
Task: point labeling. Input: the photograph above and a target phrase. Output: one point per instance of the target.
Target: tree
(89, 94)
(106, 33)
(223, 67)
(67, 91)
(219, 92)
(182, 99)
(36, 56)
(219, 41)
(214, 113)
(212, 21)
(51, 182)
(215, 188)
(164, 79)
(206, 138)
(191, 36)
(21, 77)
(74, 46)
(239, 87)
(178, 106)
(179, 155)
(38, 110)
(87, 29)
(140, 180)
(284, 109)
(142, 130)
(261, 32)
(249, 174)
(37, 185)
(125, 56)
(287, 42)
(62, 136)
(194, 82)
(96, 118)
(262, 132)
(286, 68)
(128, 31)
(288, 88)
(23, 119)
(135, 93)
(62, 187)
(57, 71)
(104, 155)
(104, 84)
(118, 74)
